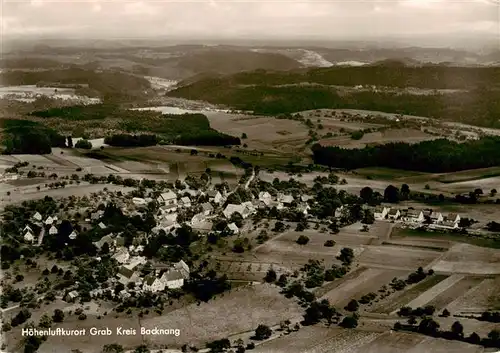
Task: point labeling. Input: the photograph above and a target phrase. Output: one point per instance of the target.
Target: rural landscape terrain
(239, 198)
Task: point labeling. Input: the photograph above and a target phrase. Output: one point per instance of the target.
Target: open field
(386, 173)
(396, 257)
(317, 339)
(431, 294)
(469, 259)
(262, 132)
(240, 310)
(441, 300)
(469, 175)
(30, 193)
(284, 249)
(485, 295)
(407, 235)
(438, 345)
(335, 340)
(401, 298)
(238, 269)
(368, 280)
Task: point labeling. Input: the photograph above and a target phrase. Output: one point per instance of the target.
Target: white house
(173, 279)
(127, 275)
(233, 228)
(207, 208)
(153, 284)
(27, 228)
(53, 230)
(215, 196)
(452, 217)
(436, 217)
(285, 199)
(393, 214)
(380, 213)
(37, 217)
(168, 198)
(73, 235)
(49, 221)
(304, 208)
(168, 208)
(415, 216)
(265, 197)
(340, 211)
(71, 296)
(183, 268)
(185, 202)
(105, 239)
(102, 225)
(28, 237)
(233, 208)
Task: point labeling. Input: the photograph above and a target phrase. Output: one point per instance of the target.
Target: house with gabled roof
(394, 214)
(173, 279)
(380, 212)
(49, 221)
(105, 239)
(167, 198)
(27, 228)
(285, 199)
(183, 268)
(121, 255)
(303, 208)
(436, 217)
(215, 196)
(28, 237)
(415, 216)
(452, 217)
(37, 217)
(185, 202)
(153, 284)
(233, 228)
(73, 235)
(71, 296)
(207, 208)
(53, 230)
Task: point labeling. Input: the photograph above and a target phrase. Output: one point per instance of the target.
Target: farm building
(414, 216)
(49, 221)
(436, 217)
(53, 230)
(37, 217)
(139, 201)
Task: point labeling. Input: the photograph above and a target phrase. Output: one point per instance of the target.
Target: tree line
(438, 156)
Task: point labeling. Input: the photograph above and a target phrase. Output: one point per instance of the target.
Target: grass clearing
(243, 309)
(469, 175)
(457, 238)
(319, 339)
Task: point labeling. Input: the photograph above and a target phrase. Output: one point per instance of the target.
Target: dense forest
(28, 137)
(126, 140)
(263, 92)
(438, 156)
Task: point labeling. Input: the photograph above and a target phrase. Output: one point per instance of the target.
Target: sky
(330, 19)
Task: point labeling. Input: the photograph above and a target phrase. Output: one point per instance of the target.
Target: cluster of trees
(430, 327)
(127, 140)
(27, 137)
(438, 156)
